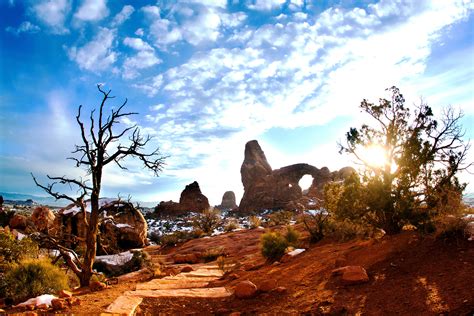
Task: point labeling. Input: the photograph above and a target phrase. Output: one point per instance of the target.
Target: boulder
(122, 226)
(59, 303)
(228, 201)
(18, 221)
(97, 286)
(192, 199)
(64, 294)
(265, 188)
(245, 289)
(351, 275)
(268, 285)
(43, 218)
(187, 268)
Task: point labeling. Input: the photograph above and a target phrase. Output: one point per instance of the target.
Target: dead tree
(97, 151)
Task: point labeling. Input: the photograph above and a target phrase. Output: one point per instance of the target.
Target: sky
(206, 76)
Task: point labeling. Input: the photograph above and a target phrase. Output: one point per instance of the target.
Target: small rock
(187, 268)
(97, 286)
(268, 285)
(58, 304)
(276, 263)
(73, 301)
(233, 276)
(235, 314)
(64, 294)
(42, 306)
(352, 275)
(245, 289)
(280, 289)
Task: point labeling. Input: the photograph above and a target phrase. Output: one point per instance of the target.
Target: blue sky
(207, 76)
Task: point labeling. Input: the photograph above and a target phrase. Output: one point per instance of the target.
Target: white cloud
(96, 55)
(144, 58)
(265, 5)
(302, 71)
(123, 15)
(139, 32)
(25, 27)
(92, 10)
(53, 13)
(152, 87)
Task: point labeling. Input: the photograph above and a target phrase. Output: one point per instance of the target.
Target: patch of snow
(316, 212)
(42, 299)
(296, 252)
(469, 217)
(117, 259)
(77, 209)
(120, 225)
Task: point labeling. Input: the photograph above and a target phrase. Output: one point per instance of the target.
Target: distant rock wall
(265, 188)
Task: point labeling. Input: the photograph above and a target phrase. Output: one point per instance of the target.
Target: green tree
(421, 157)
(101, 145)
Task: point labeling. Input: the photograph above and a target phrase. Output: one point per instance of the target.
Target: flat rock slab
(203, 273)
(172, 284)
(190, 278)
(215, 292)
(124, 305)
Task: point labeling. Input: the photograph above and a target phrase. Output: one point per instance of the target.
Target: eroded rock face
(191, 200)
(122, 226)
(265, 188)
(228, 201)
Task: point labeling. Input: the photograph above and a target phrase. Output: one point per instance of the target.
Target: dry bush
(280, 218)
(212, 254)
(13, 250)
(254, 222)
(231, 224)
(315, 225)
(208, 220)
(292, 236)
(344, 230)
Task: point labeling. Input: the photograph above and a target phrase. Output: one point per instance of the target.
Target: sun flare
(374, 155)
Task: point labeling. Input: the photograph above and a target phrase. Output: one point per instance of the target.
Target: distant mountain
(50, 201)
(469, 199)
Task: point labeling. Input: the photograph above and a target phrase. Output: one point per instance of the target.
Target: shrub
(292, 236)
(273, 245)
(344, 230)
(31, 278)
(254, 222)
(451, 229)
(212, 254)
(315, 224)
(232, 224)
(208, 220)
(280, 218)
(13, 250)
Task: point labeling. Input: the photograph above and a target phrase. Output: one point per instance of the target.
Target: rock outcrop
(191, 200)
(43, 218)
(265, 188)
(122, 226)
(228, 201)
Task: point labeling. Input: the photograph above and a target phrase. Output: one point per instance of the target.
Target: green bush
(13, 250)
(292, 236)
(280, 218)
(273, 245)
(344, 230)
(31, 278)
(208, 220)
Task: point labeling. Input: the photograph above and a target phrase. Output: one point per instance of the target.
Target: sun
(375, 156)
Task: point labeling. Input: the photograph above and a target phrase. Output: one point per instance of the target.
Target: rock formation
(228, 201)
(122, 226)
(265, 188)
(191, 200)
(43, 218)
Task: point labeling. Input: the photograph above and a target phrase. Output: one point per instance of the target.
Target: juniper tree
(422, 158)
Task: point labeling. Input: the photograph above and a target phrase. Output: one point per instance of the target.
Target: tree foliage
(101, 145)
(422, 157)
